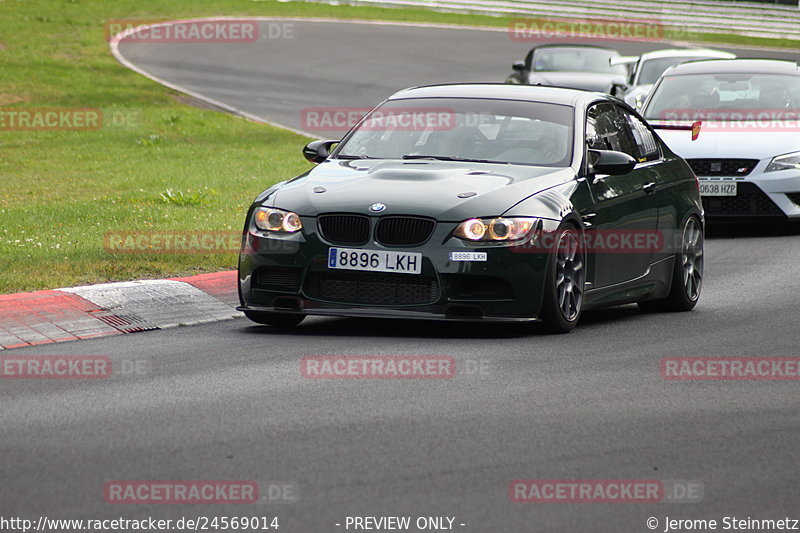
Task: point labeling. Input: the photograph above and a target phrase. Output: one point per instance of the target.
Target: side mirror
(318, 151)
(519, 66)
(618, 89)
(619, 84)
(610, 162)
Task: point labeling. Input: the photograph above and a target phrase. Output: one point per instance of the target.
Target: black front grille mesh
(722, 167)
(749, 201)
(371, 288)
(795, 197)
(403, 231)
(355, 230)
(344, 229)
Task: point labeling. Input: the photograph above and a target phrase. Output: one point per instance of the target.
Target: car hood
(730, 144)
(447, 191)
(590, 81)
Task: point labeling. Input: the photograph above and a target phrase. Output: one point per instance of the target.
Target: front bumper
(760, 195)
(290, 274)
(387, 313)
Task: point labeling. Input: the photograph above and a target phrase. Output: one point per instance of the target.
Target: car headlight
(638, 100)
(495, 229)
(278, 220)
(784, 162)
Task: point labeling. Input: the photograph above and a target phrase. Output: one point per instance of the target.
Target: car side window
(594, 138)
(607, 129)
(645, 141)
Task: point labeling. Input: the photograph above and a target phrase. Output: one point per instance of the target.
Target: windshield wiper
(348, 156)
(450, 158)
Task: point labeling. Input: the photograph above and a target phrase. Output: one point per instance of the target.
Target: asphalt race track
(227, 401)
(340, 64)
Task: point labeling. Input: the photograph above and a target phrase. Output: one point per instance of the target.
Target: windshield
(652, 69)
(710, 96)
(576, 59)
(474, 129)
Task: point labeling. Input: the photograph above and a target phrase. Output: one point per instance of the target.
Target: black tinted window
(575, 59)
(645, 141)
(704, 96)
(607, 129)
(505, 131)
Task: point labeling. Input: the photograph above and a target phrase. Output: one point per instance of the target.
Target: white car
(648, 67)
(737, 123)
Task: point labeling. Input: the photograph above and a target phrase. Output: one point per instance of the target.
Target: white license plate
(468, 256)
(375, 260)
(717, 188)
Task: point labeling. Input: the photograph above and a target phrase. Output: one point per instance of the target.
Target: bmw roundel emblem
(377, 207)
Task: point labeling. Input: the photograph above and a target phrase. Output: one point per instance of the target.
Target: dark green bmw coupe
(480, 202)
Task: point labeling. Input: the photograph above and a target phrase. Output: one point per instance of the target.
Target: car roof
(502, 91)
(735, 66)
(687, 52)
(574, 45)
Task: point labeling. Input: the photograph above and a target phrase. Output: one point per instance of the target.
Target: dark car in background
(484, 208)
(575, 66)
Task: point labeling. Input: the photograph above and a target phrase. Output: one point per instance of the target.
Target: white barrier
(702, 16)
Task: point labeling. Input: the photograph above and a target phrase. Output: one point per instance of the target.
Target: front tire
(687, 274)
(564, 282)
(278, 320)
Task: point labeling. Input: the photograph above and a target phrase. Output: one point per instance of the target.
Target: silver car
(648, 67)
(737, 124)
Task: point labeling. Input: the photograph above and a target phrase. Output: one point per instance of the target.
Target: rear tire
(687, 274)
(564, 282)
(278, 320)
